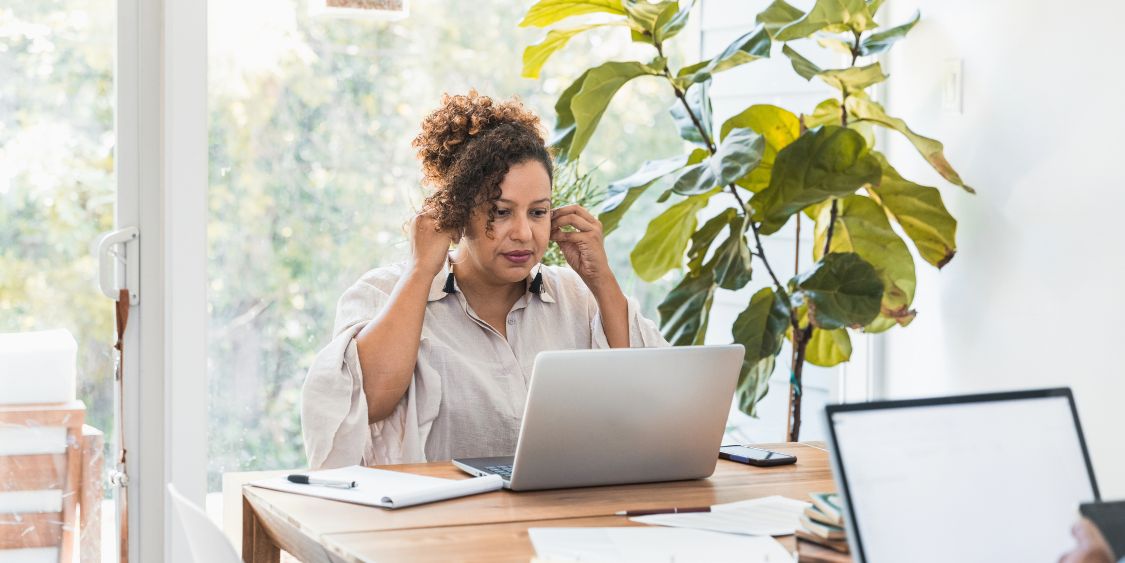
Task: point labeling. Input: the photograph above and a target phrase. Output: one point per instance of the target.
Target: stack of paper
(653, 545)
(386, 489)
(768, 516)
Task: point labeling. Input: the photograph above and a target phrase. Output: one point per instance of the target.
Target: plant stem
(682, 96)
(802, 337)
(801, 340)
(831, 227)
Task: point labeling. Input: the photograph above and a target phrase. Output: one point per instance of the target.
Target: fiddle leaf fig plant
(768, 167)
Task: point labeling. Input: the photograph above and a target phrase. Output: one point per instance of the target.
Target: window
(312, 177)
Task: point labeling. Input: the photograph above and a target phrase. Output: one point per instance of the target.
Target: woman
(432, 358)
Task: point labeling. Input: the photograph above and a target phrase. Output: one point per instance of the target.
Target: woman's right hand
(428, 245)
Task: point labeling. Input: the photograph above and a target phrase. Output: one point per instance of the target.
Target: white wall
(1036, 294)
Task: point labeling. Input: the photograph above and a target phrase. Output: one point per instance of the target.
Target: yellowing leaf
(930, 149)
(547, 12)
(921, 213)
(828, 348)
(535, 56)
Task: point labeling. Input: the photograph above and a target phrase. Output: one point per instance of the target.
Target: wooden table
(493, 526)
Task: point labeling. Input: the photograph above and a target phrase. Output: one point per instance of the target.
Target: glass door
(58, 190)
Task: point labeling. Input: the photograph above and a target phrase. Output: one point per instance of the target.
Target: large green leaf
(731, 262)
(862, 227)
(645, 17)
(848, 80)
(835, 16)
(750, 47)
(753, 384)
(827, 112)
(672, 21)
(737, 155)
(535, 56)
(854, 79)
(686, 309)
(698, 98)
(662, 246)
(879, 42)
(828, 348)
(702, 239)
(739, 152)
(597, 88)
(803, 67)
(778, 126)
(760, 328)
(862, 108)
(547, 12)
(621, 194)
(921, 213)
(841, 290)
(565, 126)
(829, 161)
(778, 15)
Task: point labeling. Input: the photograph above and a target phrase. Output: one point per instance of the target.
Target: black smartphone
(755, 456)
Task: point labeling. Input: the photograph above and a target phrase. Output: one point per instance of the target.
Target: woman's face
(521, 229)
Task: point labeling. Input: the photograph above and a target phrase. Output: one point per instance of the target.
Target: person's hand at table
(1091, 548)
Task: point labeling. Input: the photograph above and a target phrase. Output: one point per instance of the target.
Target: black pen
(663, 511)
(306, 480)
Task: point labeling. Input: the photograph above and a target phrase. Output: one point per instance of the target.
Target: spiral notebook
(385, 489)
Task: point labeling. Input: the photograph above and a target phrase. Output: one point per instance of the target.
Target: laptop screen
(983, 478)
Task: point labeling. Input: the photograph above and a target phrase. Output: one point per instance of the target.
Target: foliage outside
(773, 166)
(311, 179)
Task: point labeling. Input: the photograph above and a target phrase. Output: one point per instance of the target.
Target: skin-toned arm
(388, 345)
(584, 250)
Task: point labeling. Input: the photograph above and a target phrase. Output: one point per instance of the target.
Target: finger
(564, 236)
(573, 209)
(577, 221)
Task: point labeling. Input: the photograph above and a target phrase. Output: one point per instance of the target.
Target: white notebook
(386, 489)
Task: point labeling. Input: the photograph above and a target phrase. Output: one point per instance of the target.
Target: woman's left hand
(583, 248)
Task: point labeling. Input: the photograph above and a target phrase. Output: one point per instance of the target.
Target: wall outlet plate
(951, 86)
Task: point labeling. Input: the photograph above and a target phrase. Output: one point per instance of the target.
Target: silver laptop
(606, 417)
(993, 477)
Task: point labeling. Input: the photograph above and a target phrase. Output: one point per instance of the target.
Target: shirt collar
(437, 287)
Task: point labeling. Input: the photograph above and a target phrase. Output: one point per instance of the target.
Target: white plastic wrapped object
(37, 367)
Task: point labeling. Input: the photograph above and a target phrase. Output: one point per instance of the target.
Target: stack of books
(823, 523)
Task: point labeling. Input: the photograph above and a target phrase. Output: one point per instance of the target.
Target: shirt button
(511, 321)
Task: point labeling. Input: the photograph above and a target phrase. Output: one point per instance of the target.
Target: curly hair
(467, 146)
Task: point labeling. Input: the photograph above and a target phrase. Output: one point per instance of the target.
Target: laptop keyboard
(504, 471)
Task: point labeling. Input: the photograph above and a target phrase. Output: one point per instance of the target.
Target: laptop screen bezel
(852, 524)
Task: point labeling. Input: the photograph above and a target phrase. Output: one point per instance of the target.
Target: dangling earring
(449, 286)
(537, 281)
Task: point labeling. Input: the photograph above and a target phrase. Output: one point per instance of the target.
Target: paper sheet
(387, 489)
(653, 545)
(768, 516)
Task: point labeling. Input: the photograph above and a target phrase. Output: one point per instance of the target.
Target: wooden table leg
(257, 547)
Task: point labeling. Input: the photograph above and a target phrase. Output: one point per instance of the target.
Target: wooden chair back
(42, 466)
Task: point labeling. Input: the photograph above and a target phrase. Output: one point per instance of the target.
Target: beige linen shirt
(470, 384)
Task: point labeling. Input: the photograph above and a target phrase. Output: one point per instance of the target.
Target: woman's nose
(522, 229)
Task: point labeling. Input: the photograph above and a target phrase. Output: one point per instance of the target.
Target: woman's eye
(539, 212)
(503, 212)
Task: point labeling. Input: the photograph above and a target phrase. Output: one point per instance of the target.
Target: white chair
(205, 539)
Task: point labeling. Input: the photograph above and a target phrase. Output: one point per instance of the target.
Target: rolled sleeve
(334, 416)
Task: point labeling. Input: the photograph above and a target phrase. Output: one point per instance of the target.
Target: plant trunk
(801, 340)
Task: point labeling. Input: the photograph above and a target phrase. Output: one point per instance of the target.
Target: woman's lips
(518, 257)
